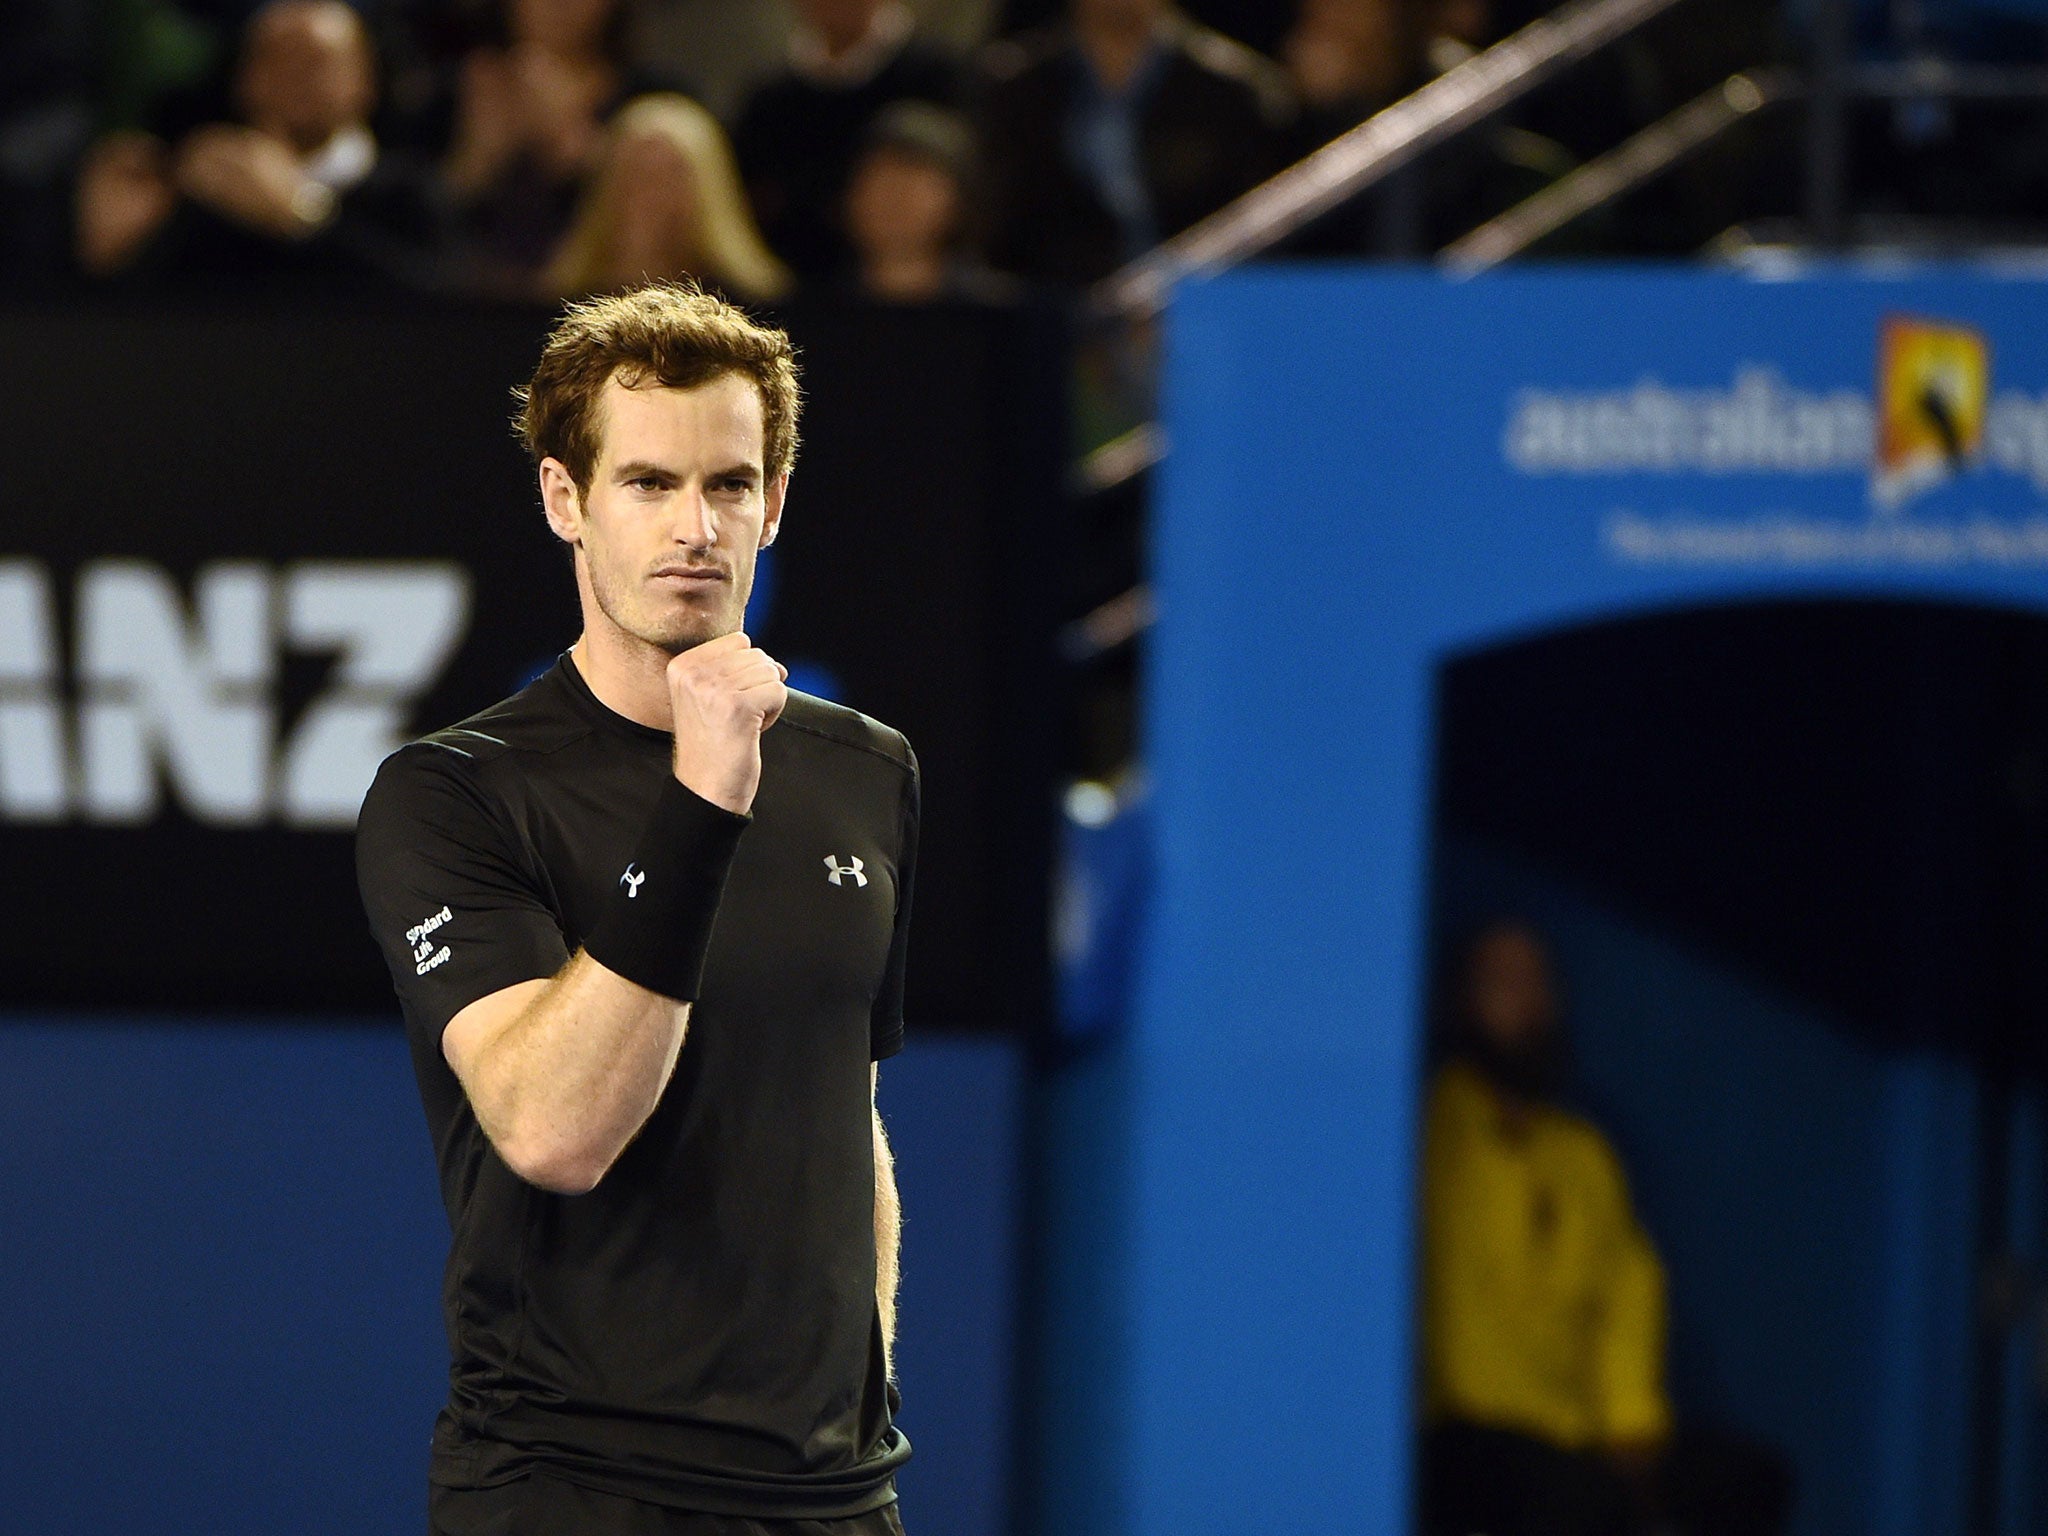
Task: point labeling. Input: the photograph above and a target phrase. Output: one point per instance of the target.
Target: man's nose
(695, 524)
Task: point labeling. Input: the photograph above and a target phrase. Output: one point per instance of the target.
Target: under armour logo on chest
(837, 872)
(632, 882)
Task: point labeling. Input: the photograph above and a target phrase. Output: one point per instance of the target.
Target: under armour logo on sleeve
(632, 882)
(836, 871)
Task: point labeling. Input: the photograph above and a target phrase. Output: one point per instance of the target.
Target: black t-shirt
(700, 1330)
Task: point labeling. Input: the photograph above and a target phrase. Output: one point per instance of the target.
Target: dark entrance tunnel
(1779, 825)
(1846, 800)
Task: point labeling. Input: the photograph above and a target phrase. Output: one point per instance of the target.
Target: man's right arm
(560, 1057)
(563, 1070)
(562, 1073)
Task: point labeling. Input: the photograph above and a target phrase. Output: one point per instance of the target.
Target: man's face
(1118, 14)
(1510, 992)
(1470, 21)
(306, 71)
(841, 23)
(678, 509)
(564, 26)
(656, 214)
(901, 202)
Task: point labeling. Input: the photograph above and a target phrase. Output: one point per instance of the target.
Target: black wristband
(656, 925)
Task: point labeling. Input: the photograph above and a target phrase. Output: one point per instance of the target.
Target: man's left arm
(885, 1038)
(888, 1228)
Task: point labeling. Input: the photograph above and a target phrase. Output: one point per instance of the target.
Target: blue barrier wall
(220, 1256)
(1368, 473)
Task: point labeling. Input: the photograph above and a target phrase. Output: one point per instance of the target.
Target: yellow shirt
(1543, 1302)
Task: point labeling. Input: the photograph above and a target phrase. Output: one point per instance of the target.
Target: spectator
(296, 190)
(908, 209)
(1457, 29)
(665, 203)
(1351, 58)
(1119, 130)
(46, 118)
(722, 47)
(1543, 1304)
(798, 134)
(530, 115)
(1258, 24)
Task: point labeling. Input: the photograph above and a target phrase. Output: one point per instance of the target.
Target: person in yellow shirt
(1543, 1305)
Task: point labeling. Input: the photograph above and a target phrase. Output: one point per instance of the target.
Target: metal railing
(1598, 182)
(1700, 122)
(1482, 87)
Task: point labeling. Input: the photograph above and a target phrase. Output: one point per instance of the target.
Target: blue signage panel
(1369, 473)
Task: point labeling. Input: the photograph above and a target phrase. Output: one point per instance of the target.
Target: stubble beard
(686, 627)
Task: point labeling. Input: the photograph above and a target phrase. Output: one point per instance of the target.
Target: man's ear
(560, 500)
(771, 524)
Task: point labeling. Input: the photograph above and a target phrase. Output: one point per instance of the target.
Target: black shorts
(547, 1506)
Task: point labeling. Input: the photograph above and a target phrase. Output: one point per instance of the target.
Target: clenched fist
(725, 693)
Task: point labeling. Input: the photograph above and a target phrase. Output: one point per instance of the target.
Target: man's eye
(645, 483)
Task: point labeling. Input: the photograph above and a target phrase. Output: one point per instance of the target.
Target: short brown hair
(672, 334)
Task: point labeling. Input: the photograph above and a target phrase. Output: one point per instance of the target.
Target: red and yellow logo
(1933, 385)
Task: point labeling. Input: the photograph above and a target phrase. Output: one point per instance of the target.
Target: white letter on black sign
(196, 696)
(34, 781)
(395, 627)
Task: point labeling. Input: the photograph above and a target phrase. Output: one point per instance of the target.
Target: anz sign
(170, 699)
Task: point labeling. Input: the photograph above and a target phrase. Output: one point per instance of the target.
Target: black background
(924, 489)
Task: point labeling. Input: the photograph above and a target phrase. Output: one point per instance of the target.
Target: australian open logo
(1934, 393)
(1933, 419)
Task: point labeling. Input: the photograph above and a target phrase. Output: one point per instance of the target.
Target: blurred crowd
(542, 148)
(538, 148)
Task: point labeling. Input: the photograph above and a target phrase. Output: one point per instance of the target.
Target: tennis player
(647, 921)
